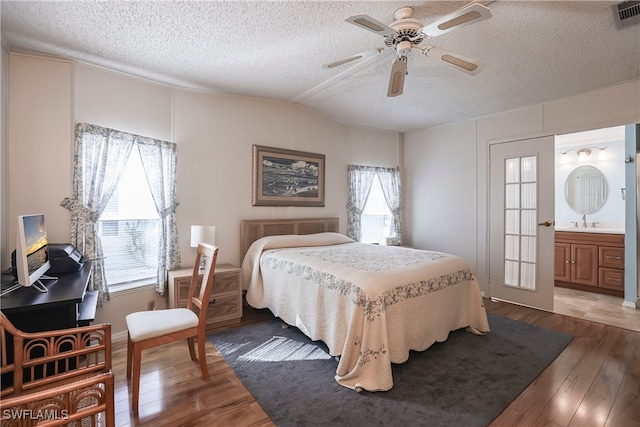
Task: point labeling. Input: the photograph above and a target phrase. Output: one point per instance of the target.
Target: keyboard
(9, 289)
(9, 283)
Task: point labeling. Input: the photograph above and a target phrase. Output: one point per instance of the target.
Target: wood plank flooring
(594, 382)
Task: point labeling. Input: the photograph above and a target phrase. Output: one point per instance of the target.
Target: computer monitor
(32, 252)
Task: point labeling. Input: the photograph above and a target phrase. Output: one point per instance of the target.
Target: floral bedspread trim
(368, 257)
(372, 307)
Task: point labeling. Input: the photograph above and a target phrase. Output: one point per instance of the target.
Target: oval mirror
(586, 189)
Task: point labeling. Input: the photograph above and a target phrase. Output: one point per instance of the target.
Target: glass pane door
(520, 216)
(521, 236)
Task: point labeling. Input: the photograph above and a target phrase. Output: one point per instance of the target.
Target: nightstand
(225, 303)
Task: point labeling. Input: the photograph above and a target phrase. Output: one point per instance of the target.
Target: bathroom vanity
(589, 251)
(590, 260)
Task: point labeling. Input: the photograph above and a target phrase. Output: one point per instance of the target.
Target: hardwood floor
(172, 392)
(594, 382)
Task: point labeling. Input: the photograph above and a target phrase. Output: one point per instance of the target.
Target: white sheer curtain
(100, 156)
(159, 159)
(390, 183)
(360, 180)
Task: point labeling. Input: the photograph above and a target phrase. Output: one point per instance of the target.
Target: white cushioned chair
(153, 328)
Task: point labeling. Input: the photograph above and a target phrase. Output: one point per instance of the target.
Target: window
(122, 209)
(373, 209)
(129, 229)
(376, 216)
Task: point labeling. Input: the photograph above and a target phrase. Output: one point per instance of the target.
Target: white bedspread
(370, 304)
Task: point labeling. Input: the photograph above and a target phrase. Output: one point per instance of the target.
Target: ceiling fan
(407, 33)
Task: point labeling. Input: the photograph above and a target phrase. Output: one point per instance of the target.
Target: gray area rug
(467, 380)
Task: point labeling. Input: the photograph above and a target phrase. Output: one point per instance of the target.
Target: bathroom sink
(575, 229)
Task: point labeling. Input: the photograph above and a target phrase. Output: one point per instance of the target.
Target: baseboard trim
(629, 304)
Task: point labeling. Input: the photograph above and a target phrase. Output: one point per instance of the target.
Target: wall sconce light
(202, 234)
(583, 154)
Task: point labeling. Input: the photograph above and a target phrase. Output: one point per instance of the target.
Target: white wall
(39, 151)
(464, 201)
(122, 102)
(214, 133)
(441, 191)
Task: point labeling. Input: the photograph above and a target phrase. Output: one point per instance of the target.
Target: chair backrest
(199, 297)
(30, 360)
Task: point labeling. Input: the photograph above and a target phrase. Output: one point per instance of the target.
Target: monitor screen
(32, 252)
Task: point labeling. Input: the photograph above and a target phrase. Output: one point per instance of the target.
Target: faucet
(584, 220)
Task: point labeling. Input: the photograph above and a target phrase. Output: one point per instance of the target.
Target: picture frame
(283, 177)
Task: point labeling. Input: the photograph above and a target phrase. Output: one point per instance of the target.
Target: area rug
(467, 380)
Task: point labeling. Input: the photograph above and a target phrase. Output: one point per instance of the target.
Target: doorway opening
(590, 227)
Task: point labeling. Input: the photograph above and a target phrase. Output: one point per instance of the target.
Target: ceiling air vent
(626, 13)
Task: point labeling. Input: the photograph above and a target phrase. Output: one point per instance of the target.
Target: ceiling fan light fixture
(406, 34)
(403, 48)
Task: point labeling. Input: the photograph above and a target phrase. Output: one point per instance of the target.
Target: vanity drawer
(611, 278)
(611, 257)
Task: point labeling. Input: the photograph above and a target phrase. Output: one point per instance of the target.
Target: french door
(521, 244)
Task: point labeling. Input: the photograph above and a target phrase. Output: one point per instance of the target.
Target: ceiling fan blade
(459, 62)
(370, 24)
(466, 16)
(356, 57)
(396, 79)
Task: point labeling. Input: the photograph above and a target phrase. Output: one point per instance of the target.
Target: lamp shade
(203, 234)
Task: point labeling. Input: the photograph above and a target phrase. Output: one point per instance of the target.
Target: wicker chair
(56, 378)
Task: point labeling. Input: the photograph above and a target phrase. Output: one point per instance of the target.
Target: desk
(60, 308)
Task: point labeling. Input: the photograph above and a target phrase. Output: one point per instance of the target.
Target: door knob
(547, 223)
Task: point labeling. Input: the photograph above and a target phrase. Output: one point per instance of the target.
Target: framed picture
(284, 177)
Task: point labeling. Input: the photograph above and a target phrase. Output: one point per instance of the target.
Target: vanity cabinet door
(563, 262)
(584, 264)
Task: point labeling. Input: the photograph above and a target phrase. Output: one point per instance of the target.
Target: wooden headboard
(254, 229)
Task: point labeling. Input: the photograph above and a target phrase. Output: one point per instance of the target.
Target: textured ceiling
(531, 52)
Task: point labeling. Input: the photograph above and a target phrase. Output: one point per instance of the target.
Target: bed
(369, 304)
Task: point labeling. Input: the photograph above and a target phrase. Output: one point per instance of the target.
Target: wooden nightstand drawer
(183, 289)
(224, 308)
(225, 303)
(225, 283)
(611, 278)
(611, 257)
